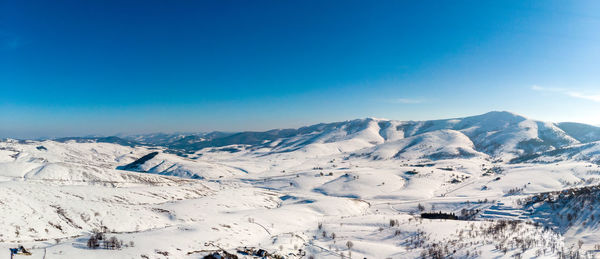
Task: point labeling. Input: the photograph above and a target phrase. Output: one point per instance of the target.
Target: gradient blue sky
(106, 67)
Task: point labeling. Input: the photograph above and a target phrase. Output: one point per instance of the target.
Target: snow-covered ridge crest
(498, 134)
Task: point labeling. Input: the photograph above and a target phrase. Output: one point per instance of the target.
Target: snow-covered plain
(349, 189)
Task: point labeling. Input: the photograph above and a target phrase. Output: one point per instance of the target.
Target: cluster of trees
(587, 194)
(436, 251)
(98, 239)
(570, 206)
(491, 171)
(220, 255)
(466, 214)
(515, 190)
(417, 240)
(324, 233)
(329, 174)
(439, 215)
(506, 236)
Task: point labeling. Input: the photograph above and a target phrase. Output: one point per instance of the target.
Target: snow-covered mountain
(500, 135)
(309, 191)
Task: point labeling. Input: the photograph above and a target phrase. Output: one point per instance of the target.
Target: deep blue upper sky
(106, 67)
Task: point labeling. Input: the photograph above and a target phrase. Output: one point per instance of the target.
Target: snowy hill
(582, 132)
(439, 144)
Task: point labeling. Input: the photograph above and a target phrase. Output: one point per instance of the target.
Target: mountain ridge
(498, 134)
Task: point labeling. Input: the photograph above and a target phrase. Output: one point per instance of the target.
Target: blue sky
(106, 67)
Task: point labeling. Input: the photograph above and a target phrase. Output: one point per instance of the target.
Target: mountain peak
(503, 115)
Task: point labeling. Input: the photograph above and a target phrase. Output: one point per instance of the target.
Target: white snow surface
(359, 182)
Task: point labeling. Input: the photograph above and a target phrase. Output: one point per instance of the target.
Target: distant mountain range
(499, 135)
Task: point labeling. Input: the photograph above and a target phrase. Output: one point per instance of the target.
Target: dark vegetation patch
(438, 215)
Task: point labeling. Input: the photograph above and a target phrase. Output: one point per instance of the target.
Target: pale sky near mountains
(72, 68)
